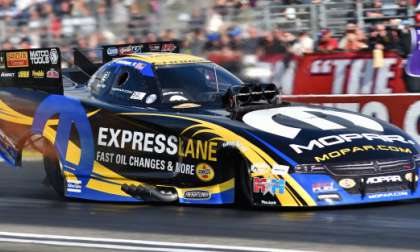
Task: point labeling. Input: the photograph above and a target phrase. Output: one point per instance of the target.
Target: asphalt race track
(33, 218)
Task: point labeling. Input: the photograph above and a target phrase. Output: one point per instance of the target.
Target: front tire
(243, 196)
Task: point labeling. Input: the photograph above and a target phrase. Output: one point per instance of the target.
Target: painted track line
(126, 244)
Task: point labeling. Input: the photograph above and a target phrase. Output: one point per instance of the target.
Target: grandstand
(226, 31)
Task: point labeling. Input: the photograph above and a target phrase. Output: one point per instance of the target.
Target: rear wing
(38, 69)
(109, 52)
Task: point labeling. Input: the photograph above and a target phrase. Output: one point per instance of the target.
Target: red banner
(338, 73)
(348, 73)
(402, 110)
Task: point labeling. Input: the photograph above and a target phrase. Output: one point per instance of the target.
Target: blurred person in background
(195, 42)
(303, 44)
(383, 39)
(326, 41)
(251, 41)
(272, 43)
(353, 43)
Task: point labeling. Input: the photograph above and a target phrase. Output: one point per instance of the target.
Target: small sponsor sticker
(137, 95)
(38, 74)
(151, 99)
(74, 186)
(197, 194)
(177, 98)
(387, 195)
(204, 172)
(39, 57)
(54, 56)
(270, 186)
(17, 59)
(280, 169)
(168, 47)
(53, 74)
(322, 187)
(23, 74)
(112, 51)
(347, 183)
(7, 75)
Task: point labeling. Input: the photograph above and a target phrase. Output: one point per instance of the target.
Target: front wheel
(243, 192)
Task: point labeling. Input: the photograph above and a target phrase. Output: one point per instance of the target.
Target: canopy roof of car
(160, 58)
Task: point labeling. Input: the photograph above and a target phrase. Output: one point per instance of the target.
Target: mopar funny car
(170, 127)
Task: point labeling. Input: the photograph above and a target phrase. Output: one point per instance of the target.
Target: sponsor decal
(409, 177)
(387, 195)
(17, 59)
(280, 170)
(7, 75)
(347, 183)
(157, 143)
(130, 49)
(197, 194)
(38, 74)
(136, 140)
(53, 74)
(204, 172)
(112, 51)
(23, 74)
(333, 140)
(346, 151)
(139, 66)
(39, 57)
(268, 202)
(151, 99)
(154, 47)
(137, 95)
(105, 76)
(54, 56)
(121, 90)
(74, 186)
(329, 197)
(262, 168)
(145, 162)
(198, 149)
(168, 47)
(177, 98)
(383, 179)
(402, 110)
(71, 116)
(271, 186)
(264, 120)
(322, 187)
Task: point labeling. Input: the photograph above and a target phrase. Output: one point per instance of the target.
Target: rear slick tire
(55, 172)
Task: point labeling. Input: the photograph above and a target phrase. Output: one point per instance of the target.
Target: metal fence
(266, 15)
(314, 17)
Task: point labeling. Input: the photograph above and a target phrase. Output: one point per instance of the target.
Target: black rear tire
(54, 171)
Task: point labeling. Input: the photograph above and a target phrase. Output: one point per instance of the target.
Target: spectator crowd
(210, 30)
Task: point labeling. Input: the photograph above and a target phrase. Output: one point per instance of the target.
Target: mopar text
(332, 140)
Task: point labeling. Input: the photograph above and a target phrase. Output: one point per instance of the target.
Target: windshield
(203, 82)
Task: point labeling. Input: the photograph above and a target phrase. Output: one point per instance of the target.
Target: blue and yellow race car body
(169, 127)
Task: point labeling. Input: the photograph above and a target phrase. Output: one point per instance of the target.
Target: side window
(100, 81)
(131, 87)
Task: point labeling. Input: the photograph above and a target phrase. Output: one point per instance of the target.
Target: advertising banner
(339, 73)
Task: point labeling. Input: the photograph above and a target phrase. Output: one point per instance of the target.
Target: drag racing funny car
(156, 126)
